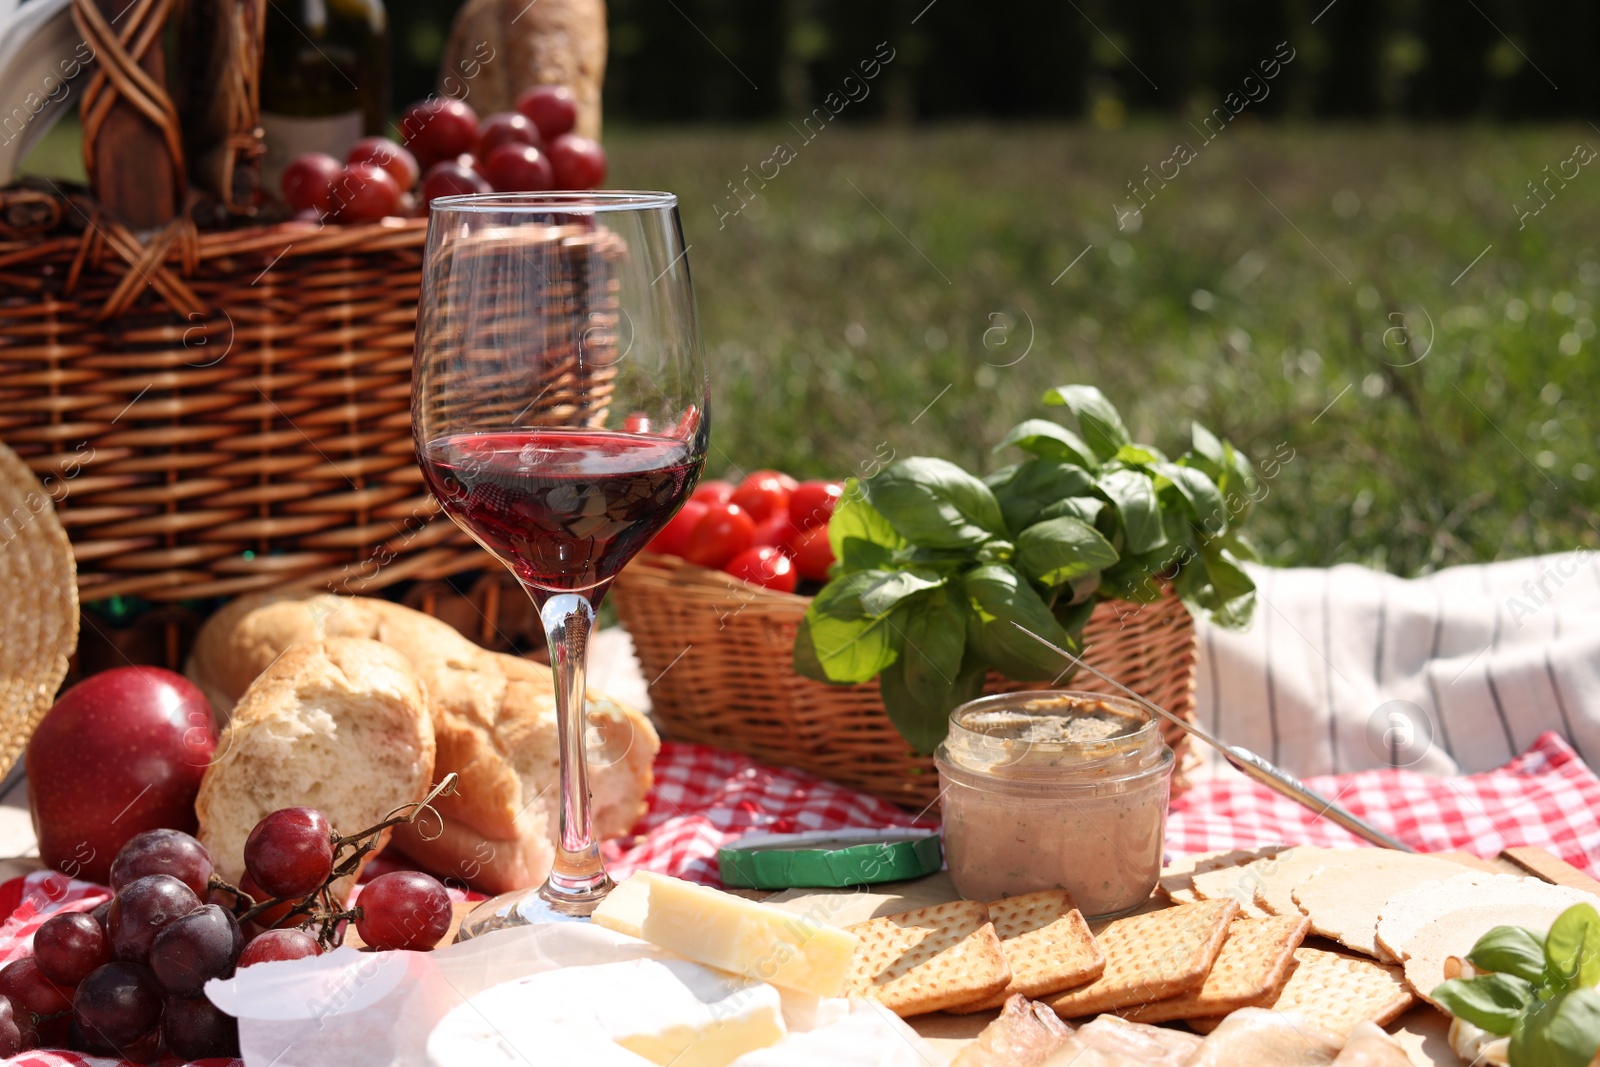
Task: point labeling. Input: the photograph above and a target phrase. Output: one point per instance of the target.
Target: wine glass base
(526, 907)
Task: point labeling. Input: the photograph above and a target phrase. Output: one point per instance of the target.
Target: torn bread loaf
(341, 725)
(494, 717)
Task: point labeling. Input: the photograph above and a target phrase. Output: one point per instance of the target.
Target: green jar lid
(830, 859)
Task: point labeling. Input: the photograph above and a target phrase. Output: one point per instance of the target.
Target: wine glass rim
(579, 200)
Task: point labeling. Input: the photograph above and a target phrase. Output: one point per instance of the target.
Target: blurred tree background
(721, 61)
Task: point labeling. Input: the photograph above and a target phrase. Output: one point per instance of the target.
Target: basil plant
(934, 565)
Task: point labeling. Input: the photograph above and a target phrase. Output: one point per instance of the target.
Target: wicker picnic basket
(717, 652)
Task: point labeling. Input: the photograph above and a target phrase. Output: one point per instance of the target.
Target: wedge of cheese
(614, 1014)
(718, 929)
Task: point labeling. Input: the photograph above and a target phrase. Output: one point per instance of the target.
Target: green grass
(882, 266)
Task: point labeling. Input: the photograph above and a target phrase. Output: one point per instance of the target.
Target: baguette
(494, 719)
(341, 725)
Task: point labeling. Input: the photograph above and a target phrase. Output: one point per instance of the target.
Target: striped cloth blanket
(1347, 669)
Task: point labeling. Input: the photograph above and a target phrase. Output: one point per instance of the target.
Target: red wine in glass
(564, 509)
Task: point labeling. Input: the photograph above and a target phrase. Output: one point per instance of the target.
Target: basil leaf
(1036, 485)
(1206, 445)
(1493, 1002)
(1061, 550)
(927, 682)
(1199, 492)
(1138, 455)
(935, 504)
(1098, 420)
(1237, 482)
(1572, 948)
(861, 538)
(1563, 1031)
(1050, 440)
(1228, 579)
(849, 643)
(1133, 577)
(1086, 508)
(1134, 495)
(806, 663)
(1000, 597)
(1510, 950)
(880, 596)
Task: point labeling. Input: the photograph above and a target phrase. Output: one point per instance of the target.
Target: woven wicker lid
(38, 605)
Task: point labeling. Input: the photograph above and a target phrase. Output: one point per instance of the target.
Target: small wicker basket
(717, 652)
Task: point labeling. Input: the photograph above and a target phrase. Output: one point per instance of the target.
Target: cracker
(929, 959)
(1453, 934)
(1046, 943)
(1254, 961)
(1177, 879)
(1345, 898)
(1152, 956)
(1338, 991)
(1405, 913)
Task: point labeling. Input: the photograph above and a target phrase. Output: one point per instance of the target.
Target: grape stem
(318, 904)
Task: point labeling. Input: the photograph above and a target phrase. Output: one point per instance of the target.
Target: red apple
(121, 752)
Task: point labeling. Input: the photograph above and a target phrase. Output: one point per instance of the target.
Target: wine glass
(559, 409)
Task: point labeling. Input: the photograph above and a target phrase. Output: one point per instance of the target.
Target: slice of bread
(494, 717)
(341, 726)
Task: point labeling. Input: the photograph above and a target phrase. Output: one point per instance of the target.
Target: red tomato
(715, 491)
(673, 539)
(764, 566)
(775, 532)
(724, 531)
(812, 503)
(785, 480)
(763, 495)
(813, 555)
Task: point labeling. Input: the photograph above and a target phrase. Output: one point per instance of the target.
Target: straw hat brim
(38, 604)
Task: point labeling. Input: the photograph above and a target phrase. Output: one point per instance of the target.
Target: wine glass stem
(578, 878)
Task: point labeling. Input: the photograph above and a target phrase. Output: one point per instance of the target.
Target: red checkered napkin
(1547, 797)
(704, 798)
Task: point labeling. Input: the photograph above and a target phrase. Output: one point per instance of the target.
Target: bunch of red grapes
(128, 978)
(448, 151)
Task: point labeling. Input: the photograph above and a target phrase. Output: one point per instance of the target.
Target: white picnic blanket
(1348, 669)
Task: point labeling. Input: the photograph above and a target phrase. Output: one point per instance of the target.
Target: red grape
(118, 1005)
(505, 127)
(365, 193)
(141, 909)
(25, 986)
(274, 915)
(16, 1029)
(401, 165)
(196, 1029)
(552, 108)
(69, 945)
(517, 168)
(308, 182)
(403, 910)
(279, 945)
(450, 178)
(437, 129)
(101, 913)
(202, 945)
(52, 1031)
(163, 852)
(579, 162)
(290, 852)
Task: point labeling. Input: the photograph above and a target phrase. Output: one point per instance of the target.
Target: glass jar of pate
(1055, 790)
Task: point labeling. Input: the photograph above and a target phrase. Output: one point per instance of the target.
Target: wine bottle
(324, 79)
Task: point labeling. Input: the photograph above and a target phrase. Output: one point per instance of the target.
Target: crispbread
(1271, 880)
(1455, 932)
(1046, 943)
(929, 959)
(1405, 913)
(1177, 879)
(1253, 962)
(1345, 898)
(1338, 991)
(1152, 956)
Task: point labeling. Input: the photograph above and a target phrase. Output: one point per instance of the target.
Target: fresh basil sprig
(934, 565)
(1539, 991)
